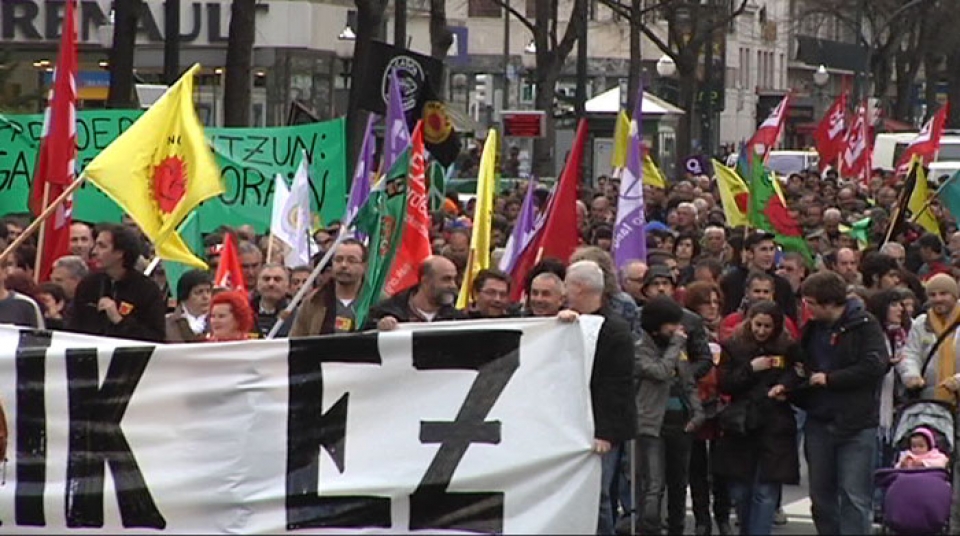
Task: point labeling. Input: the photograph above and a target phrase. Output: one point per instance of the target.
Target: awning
(609, 102)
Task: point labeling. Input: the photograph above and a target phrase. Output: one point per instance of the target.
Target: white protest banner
(463, 427)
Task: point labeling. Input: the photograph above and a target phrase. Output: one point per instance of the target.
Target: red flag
(927, 142)
(56, 161)
(856, 152)
(829, 135)
(768, 134)
(415, 241)
(558, 235)
(229, 272)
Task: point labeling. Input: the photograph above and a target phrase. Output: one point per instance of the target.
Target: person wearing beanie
(930, 357)
(923, 452)
(661, 372)
(188, 323)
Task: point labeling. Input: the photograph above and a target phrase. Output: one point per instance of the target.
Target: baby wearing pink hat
(923, 452)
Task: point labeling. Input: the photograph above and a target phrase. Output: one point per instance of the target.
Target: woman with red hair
(231, 318)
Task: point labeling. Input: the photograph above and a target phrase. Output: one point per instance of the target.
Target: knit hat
(658, 271)
(659, 311)
(943, 283)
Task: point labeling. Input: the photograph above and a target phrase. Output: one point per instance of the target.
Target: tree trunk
(548, 71)
(441, 38)
(635, 65)
(953, 88)
(687, 80)
(125, 17)
(930, 87)
(369, 27)
(237, 82)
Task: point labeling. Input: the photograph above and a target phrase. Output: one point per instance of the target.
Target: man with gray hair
(67, 272)
(687, 216)
(547, 293)
(611, 383)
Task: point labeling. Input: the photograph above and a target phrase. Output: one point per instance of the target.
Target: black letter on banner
(96, 437)
(495, 355)
(309, 429)
(31, 428)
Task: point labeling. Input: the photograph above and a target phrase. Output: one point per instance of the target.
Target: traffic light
(484, 89)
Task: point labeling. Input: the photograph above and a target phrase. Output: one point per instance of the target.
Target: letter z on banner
(468, 427)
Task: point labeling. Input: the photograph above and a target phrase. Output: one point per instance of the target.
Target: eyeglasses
(494, 293)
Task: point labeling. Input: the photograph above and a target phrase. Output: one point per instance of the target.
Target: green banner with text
(249, 159)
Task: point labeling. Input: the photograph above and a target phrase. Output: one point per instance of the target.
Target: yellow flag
(918, 201)
(734, 194)
(160, 169)
(479, 257)
(652, 175)
(621, 137)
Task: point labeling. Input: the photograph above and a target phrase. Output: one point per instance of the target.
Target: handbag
(738, 417)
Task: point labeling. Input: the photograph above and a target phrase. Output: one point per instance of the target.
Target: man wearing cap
(761, 251)
(936, 374)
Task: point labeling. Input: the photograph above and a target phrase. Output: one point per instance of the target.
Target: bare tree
(237, 83)
(441, 38)
(691, 26)
(125, 15)
(552, 52)
(370, 18)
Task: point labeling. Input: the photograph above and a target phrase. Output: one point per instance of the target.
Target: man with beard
(338, 297)
(432, 299)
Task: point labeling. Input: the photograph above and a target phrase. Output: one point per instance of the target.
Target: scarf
(947, 353)
(896, 339)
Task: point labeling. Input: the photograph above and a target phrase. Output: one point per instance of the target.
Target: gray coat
(920, 341)
(655, 370)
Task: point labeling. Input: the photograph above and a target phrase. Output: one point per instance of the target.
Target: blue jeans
(756, 503)
(650, 482)
(609, 466)
(841, 477)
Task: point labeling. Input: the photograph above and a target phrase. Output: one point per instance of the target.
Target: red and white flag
(927, 142)
(768, 134)
(415, 242)
(829, 135)
(857, 152)
(56, 162)
(229, 270)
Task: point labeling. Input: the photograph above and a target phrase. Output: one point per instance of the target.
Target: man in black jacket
(612, 389)
(432, 299)
(118, 301)
(762, 251)
(845, 359)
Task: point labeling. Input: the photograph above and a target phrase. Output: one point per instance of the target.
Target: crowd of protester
(718, 352)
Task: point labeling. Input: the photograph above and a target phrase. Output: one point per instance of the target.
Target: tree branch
(519, 16)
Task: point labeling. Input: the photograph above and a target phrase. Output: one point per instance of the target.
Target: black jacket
(139, 301)
(853, 383)
(734, 285)
(612, 388)
(771, 446)
(398, 306)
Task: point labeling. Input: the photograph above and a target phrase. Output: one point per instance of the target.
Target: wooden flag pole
(270, 247)
(42, 234)
(35, 225)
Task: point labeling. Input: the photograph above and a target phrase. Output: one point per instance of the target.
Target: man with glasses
(332, 308)
(491, 294)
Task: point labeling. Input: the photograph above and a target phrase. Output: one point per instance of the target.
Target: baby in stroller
(918, 489)
(923, 452)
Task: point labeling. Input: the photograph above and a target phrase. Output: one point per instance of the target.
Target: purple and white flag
(360, 189)
(523, 231)
(396, 137)
(629, 237)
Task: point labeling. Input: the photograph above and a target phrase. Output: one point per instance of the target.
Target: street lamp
(529, 57)
(666, 67)
(821, 76)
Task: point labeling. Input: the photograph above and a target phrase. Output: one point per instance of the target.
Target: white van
(888, 148)
(786, 162)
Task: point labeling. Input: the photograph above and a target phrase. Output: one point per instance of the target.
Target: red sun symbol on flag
(743, 201)
(169, 183)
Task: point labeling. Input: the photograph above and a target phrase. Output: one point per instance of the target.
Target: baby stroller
(917, 501)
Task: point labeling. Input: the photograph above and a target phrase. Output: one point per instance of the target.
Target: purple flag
(629, 237)
(360, 189)
(523, 230)
(396, 137)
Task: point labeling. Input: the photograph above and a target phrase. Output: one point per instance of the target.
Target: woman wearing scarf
(930, 354)
(887, 307)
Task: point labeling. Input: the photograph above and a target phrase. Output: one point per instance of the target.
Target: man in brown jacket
(332, 308)
(188, 323)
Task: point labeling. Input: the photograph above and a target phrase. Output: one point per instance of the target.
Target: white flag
(291, 217)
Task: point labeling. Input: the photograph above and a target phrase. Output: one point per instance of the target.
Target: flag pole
(930, 199)
(35, 225)
(41, 235)
(270, 247)
(308, 284)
